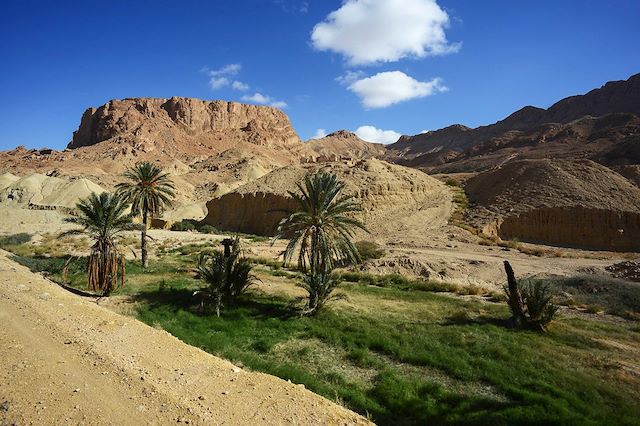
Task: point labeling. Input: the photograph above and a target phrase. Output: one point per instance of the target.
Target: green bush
(207, 229)
(452, 182)
(184, 225)
(537, 296)
(15, 239)
(369, 250)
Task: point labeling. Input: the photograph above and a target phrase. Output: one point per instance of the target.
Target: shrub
(183, 225)
(227, 278)
(529, 301)
(15, 239)
(207, 229)
(452, 182)
(537, 296)
(369, 250)
(319, 286)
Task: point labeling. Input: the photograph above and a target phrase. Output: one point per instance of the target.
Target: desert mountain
(530, 126)
(395, 200)
(345, 144)
(560, 202)
(209, 146)
(612, 140)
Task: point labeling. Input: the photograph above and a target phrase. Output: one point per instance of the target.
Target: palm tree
(321, 232)
(149, 191)
(102, 218)
(228, 275)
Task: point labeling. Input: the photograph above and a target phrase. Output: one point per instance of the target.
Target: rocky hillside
(209, 147)
(395, 200)
(560, 202)
(612, 140)
(525, 127)
(345, 144)
(190, 126)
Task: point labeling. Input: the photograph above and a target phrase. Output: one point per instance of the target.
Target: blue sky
(397, 65)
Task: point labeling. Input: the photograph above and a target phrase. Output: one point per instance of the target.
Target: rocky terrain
(208, 146)
(344, 144)
(577, 203)
(536, 169)
(395, 200)
(602, 125)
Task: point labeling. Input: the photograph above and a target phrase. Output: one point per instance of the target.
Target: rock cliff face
(579, 227)
(613, 98)
(209, 147)
(567, 203)
(252, 213)
(393, 199)
(181, 118)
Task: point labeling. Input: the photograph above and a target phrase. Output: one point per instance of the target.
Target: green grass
(399, 355)
(541, 378)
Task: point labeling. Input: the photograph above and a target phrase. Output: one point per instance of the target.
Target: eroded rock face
(393, 199)
(566, 203)
(252, 213)
(579, 227)
(176, 116)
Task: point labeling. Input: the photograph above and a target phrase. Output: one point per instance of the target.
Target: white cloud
(223, 77)
(261, 99)
(320, 133)
(349, 77)
(238, 85)
(220, 78)
(373, 134)
(371, 31)
(388, 88)
(218, 82)
(231, 69)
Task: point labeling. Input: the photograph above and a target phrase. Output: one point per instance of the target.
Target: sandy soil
(67, 360)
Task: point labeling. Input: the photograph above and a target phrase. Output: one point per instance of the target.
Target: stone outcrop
(177, 118)
(251, 213)
(344, 145)
(566, 203)
(391, 197)
(579, 227)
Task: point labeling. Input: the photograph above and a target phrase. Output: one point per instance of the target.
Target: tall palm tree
(321, 232)
(149, 191)
(102, 218)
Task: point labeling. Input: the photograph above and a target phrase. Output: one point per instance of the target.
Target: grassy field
(397, 352)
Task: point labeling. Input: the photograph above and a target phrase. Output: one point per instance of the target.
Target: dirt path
(67, 360)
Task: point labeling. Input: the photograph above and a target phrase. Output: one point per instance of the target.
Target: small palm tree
(102, 217)
(149, 191)
(321, 232)
(228, 275)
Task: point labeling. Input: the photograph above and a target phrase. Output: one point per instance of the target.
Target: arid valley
(182, 260)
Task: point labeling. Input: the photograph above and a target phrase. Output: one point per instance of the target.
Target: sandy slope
(66, 359)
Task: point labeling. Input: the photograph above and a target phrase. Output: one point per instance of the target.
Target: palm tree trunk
(143, 242)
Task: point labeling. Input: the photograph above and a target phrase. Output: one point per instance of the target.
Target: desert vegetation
(321, 231)
(398, 350)
(149, 191)
(103, 218)
(227, 275)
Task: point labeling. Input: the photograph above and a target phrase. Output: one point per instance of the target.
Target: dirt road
(66, 360)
